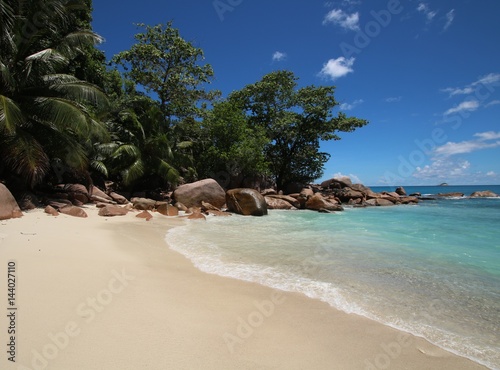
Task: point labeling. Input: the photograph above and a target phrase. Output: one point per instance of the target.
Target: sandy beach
(108, 293)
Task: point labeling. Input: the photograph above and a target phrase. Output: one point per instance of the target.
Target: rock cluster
(332, 195)
(207, 198)
(8, 205)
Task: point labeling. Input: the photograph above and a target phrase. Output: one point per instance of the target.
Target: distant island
(443, 184)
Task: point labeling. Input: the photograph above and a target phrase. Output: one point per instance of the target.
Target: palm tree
(138, 149)
(45, 113)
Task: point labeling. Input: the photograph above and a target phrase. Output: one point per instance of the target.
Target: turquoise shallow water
(432, 269)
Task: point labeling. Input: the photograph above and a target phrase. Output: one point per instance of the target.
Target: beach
(108, 293)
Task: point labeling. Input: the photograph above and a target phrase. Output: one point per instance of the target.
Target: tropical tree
(295, 122)
(231, 145)
(168, 67)
(138, 150)
(45, 112)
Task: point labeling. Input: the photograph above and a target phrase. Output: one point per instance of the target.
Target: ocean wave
(208, 257)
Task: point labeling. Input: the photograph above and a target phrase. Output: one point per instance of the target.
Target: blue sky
(426, 74)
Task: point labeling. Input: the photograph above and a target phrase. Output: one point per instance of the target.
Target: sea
(432, 269)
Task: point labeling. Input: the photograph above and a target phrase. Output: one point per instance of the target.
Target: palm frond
(185, 145)
(168, 173)
(75, 42)
(49, 56)
(5, 75)
(98, 129)
(10, 115)
(106, 149)
(129, 150)
(81, 91)
(76, 156)
(100, 167)
(133, 172)
(63, 114)
(25, 156)
(7, 17)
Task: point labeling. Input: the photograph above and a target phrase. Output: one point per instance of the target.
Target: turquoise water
(432, 270)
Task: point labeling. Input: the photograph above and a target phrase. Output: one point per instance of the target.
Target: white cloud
(489, 79)
(395, 99)
(492, 103)
(278, 56)
(458, 91)
(450, 17)
(491, 174)
(463, 147)
(429, 14)
(444, 169)
(336, 68)
(355, 179)
(489, 135)
(343, 19)
(349, 106)
(485, 140)
(466, 106)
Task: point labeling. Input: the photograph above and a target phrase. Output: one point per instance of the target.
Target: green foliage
(59, 103)
(46, 113)
(232, 146)
(169, 67)
(295, 122)
(139, 149)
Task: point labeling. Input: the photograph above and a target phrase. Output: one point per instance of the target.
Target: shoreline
(113, 295)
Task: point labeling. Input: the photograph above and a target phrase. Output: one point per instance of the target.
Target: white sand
(107, 293)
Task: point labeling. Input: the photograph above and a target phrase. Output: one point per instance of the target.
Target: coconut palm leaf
(45, 61)
(63, 115)
(131, 151)
(26, 157)
(75, 42)
(10, 115)
(133, 172)
(100, 167)
(167, 172)
(80, 91)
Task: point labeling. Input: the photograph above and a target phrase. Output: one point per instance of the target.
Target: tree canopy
(148, 118)
(295, 122)
(169, 67)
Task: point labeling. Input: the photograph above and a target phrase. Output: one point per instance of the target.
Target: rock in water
(451, 195)
(401, 191)
(276, 203)
(484, 194)
(8, 205)
(209, 190)
(247, 202)
(317, 202)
